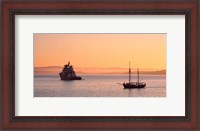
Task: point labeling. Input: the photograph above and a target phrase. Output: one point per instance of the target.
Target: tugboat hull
(70, 78)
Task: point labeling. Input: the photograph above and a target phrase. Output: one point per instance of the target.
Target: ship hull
(132, 86)
(70, 78)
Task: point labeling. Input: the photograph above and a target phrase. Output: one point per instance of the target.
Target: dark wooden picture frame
(10, 9)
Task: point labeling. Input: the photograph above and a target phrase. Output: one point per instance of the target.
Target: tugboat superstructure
(68, 73)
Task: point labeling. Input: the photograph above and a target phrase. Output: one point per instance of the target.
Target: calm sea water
(98, 86)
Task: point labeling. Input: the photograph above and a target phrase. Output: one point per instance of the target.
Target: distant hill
(93, 70)
(47, 70)
(154, 72)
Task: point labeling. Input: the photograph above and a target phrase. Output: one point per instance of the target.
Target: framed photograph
(100, 65)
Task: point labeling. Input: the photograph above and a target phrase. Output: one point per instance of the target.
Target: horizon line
(102, 67)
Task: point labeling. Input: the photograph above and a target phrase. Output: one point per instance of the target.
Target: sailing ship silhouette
(136, 84)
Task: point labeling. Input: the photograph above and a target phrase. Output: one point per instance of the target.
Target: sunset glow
(145, 51)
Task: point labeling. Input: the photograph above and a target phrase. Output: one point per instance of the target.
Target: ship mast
(138, 75)
(129, 73)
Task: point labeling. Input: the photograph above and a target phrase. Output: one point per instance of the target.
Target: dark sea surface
(106, 85)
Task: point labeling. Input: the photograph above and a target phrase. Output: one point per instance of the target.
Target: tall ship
(136, 84)
(68, 73)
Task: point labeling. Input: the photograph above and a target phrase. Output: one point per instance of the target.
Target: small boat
(68, 73)
(136, 84)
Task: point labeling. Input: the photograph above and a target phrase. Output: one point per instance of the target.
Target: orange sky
(145, 51)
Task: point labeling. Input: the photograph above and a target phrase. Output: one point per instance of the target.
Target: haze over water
(95, 85)
(102, 60)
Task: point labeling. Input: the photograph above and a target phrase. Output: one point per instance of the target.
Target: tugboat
(68, 73)
(136, 84)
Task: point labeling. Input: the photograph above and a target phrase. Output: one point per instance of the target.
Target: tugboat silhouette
(68, 73)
